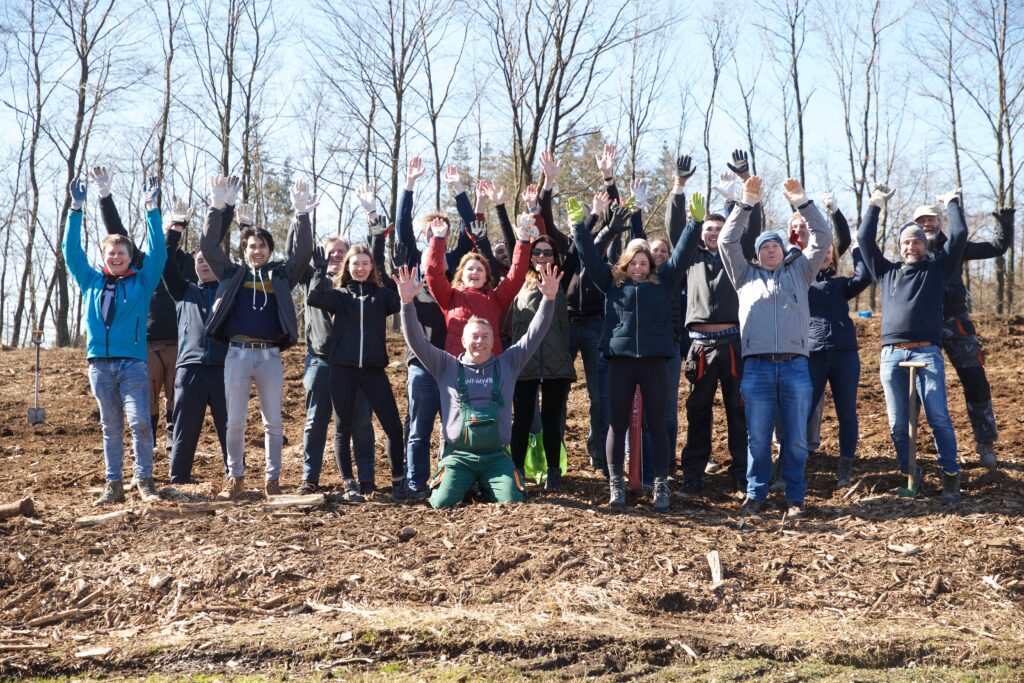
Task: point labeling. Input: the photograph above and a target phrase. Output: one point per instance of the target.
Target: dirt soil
(559, 588)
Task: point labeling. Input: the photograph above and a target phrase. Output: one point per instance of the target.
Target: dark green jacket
(553, 359)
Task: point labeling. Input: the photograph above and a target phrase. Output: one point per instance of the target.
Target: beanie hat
(768, 236)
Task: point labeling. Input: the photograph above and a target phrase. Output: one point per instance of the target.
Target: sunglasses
(537, 251)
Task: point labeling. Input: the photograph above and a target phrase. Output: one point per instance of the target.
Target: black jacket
(912, 295)
(284, 276)
(194, 305)
(955, 301)
(831, 327)
(360, 311)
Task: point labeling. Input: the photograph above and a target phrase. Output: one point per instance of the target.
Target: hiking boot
(794, 510)
(113, 492)
(987, 456)
(400, 492)
(844, 474)
(660, 496)
(350, 492)
(232, 488)
(554, 480)
(272, 487)
(366, 488)
(751, 507)
(617, 488)
(712, 467)
(419, 494)
(690, 488)
(146, 489)
(306, 488)
(950, 488)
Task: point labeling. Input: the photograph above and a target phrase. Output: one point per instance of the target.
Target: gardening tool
(37, 415)
(913, 476)
(636, 424)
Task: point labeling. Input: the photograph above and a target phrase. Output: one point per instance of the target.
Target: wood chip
(93, 652)
(95, 520)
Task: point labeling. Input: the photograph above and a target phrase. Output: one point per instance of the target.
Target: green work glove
(630, 204)
(574, 210)
(698, 209)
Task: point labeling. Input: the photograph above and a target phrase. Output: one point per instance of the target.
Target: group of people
(493, 332)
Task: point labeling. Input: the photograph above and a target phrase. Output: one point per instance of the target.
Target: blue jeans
(585, 339)
(841, 369)
(424, 405)
(318, 415)
(773, 389)
(931, 390)
(121, 388)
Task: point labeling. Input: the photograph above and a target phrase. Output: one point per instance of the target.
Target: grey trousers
(242, 367)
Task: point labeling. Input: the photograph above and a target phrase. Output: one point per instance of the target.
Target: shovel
(913, 479)
(37, 415)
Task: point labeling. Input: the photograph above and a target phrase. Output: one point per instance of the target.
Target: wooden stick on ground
(24, 507)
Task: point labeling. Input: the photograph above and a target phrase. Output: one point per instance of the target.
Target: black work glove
(684, 167)
(740, 166)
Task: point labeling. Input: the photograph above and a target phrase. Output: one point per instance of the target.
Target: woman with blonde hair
(637, 340)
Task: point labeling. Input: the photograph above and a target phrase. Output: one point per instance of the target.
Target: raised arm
(210, 242)
(435, 360)
(861, 277)
(464, 208)
(520, 352)
(156, 247)
(509, 287)
(999, 244)
(71, 246)
(729, 240)
(320, 294)
(819, 237)
(437, 279)
(174, 280)
(957, 242)
(840, 226)
(303, 201)
(406, 233)
(874, 260)
(598, 269)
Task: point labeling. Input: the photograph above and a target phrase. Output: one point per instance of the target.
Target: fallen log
(24, 507)
(57, 617)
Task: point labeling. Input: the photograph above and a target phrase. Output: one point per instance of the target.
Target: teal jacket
(125, 335)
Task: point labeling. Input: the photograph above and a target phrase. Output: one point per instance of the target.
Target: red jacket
(460, 303)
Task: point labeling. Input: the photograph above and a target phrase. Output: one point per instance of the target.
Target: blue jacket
(637, 316)
(193, 302)
(912, 295)
(125, 335)
(831, 327)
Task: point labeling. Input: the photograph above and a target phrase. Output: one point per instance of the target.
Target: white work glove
(829, 201)
(439, 228)
(945, 199)
(526, 228)
(234, 186)
(639, 189)
(302, 199)
(218, 191)
(880, 195)
(103, 179)
(246, 214)
(728, 187)
(182, 212)
(367, 200)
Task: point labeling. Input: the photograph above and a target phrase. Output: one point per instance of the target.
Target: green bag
(536, 465)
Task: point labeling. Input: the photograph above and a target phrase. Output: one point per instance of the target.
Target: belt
(581, 319)
(717, 341)
(254, 345)
(912, 345)
(775, 357)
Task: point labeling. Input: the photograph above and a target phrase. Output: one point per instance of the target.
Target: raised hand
(366, 198)
(828, 200)
(600, 204)
(454, 180)
(408, 282)
(880, 195)
(218, 191)
(526, 228)
(617, 223)
(319, 259)
(793, 191)
(753, 191)
(638, 188)
(684, 169)
(477, 230)
(728, 187)
(246, 214)
(956, 195)
(606, 161)
(103, 179)
(739, 164)
(550, 166)
(303, 200)
(182, 213)
(494, 193)
(378, 226)
(414, 169)
(530, 196)
(549, 280)
(439, 228)
(77, 190)
(151, 192)
(574, 210)
(481, 196)
(234, 186)
(698, 208)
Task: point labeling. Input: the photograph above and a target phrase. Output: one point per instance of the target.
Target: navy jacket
(360, 310)
(637, 316)
(831, 327)
(194, 302)
(912, 295)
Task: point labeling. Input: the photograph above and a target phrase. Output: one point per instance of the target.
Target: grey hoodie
(774, 316)
(444, 368)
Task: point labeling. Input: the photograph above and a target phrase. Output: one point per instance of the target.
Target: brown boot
(273, 487)
(232, 489)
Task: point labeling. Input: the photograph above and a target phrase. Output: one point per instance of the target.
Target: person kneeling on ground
(476, 397)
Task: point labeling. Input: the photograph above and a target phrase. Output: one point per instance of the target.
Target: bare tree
(722, 43)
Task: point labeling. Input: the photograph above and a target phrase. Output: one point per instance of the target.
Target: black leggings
(377, 389)
(554, 393)
(624, 375)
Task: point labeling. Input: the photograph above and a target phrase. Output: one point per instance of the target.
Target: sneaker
(367, 487)
(844, 474)
(306, 488)
(987, 455)
(751, 506)
(554, 480)
(418, 495)
(147, 490)
(113, 492)
(660, 497)
(232, 488)
(350, 492)
(272, 487)
(617, 488)
(690, 488)
(400, 492)
(950, 488)
(712, 467)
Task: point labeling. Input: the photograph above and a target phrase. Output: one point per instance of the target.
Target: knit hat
(913, 231)
(769, 236)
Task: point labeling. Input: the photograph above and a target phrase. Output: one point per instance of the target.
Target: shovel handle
(913, 364)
